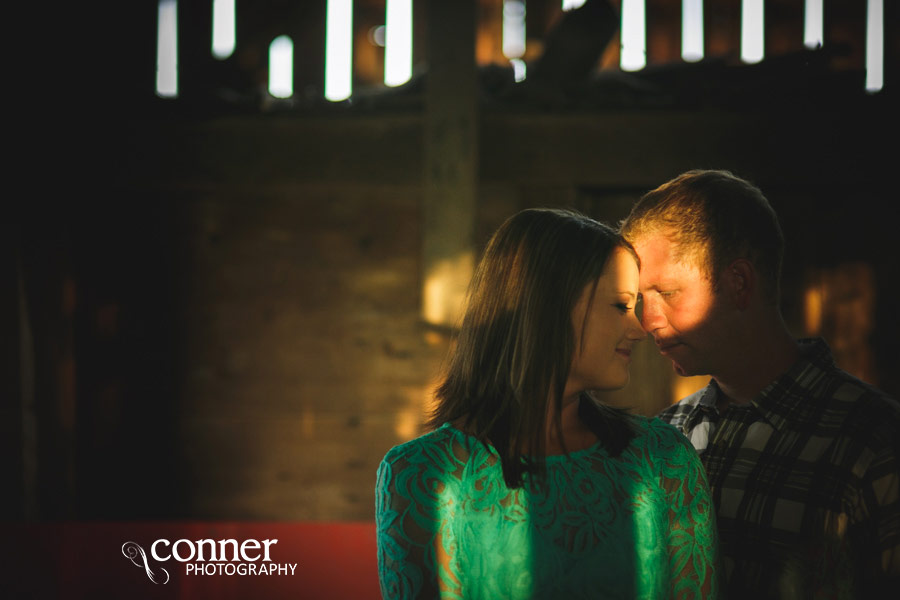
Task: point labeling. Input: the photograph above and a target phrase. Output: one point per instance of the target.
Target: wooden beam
(450, 159)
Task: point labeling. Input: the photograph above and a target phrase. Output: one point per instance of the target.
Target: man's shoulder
(819, 377)
(858, 402)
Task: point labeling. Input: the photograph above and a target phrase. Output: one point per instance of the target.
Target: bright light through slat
(634, 46)
(281, 67)
(519, 68)
(338, 49)
(513, 28)
(378, 36)
(692, 30)
(223, 29)
(752, 32)
(572, 4)
(398, 42)
(167, 49)
(875, 46)
(813, 24)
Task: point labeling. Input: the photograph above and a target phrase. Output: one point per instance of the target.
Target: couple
(779, 479)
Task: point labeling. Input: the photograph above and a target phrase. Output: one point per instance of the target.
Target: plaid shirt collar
(783, 401)
(786, 400)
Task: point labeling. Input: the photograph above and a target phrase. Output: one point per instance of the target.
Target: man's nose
(652, 317)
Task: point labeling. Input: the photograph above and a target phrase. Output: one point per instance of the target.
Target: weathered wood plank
(451, 160)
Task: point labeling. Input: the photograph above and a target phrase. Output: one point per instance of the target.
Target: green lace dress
(640, 525)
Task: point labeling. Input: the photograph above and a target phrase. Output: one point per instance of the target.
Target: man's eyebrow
(660, 284)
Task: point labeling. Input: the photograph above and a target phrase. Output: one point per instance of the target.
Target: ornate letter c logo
(132, 551)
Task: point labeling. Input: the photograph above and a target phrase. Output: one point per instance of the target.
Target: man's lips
(666, 346)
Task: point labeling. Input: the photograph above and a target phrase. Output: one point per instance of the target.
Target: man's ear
(741, 280)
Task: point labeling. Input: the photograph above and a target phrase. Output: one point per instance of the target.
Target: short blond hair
(713, 217)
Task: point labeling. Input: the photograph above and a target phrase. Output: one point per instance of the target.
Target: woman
(527, 488)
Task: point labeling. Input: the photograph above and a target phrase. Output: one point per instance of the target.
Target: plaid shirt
(805, 482)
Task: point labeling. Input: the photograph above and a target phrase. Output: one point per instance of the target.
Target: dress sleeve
(693, 538)
(413, 553)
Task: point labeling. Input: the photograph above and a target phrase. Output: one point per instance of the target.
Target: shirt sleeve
(693, 537)
(880, 517)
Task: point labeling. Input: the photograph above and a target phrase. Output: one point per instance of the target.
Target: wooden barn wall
(217, 317)
(230, 322)
(305, 358)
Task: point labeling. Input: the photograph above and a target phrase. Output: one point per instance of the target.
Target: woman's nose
(635, 330)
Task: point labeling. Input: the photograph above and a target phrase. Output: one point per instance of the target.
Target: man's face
(682, 312)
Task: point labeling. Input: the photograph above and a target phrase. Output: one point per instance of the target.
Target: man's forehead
(659, 249)
(661, 244)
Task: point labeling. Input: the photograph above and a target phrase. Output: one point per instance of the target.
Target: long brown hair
(516, 342)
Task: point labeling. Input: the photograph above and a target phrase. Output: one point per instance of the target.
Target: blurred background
(230, 286)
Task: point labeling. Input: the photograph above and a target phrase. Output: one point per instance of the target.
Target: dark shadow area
(98, 257)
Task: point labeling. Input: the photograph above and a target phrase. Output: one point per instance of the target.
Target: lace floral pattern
(639, 525)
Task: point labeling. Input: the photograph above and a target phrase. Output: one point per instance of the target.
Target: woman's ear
(741, 280)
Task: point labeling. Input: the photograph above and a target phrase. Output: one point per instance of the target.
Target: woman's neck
(575, 434)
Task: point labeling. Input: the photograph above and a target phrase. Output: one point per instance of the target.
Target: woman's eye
(623, 308)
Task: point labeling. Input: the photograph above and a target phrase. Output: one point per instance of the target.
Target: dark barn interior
(226, 307)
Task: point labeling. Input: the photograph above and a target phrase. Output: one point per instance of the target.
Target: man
(801, 457)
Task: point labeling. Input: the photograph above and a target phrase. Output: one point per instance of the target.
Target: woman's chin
(613, 386)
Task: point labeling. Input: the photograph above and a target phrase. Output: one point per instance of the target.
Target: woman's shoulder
(422, 448)
(658, 436)
(649, 426)
(660, 450)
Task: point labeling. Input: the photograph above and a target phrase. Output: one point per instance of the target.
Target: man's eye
(667, 294)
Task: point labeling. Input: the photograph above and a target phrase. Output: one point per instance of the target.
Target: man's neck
(768, 355)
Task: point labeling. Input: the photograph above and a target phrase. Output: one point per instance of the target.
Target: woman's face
(606, 327)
